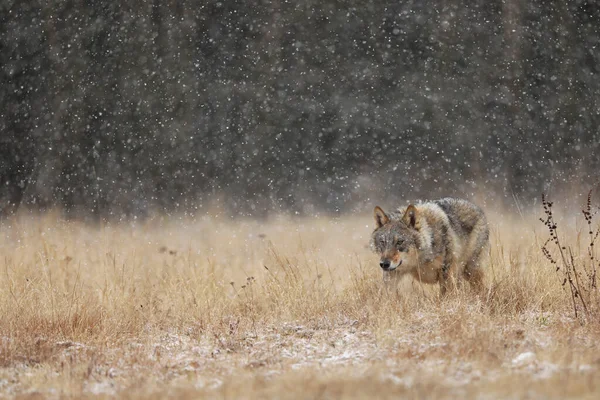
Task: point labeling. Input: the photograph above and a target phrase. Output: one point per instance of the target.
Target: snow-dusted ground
(207, 363)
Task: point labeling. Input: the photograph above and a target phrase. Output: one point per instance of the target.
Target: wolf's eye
(400, 245)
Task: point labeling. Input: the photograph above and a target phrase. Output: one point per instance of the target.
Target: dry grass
(282, 309)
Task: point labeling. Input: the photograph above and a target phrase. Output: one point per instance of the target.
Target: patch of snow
(406, 381)
(585, 368)
(101, 388)
(347, 355)
(524, 359)
(212, 384)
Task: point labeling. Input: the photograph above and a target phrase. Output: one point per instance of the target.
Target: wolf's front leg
(447, 278)
(390, 280)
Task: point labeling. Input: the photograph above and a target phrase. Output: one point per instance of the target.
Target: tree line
(115, 109)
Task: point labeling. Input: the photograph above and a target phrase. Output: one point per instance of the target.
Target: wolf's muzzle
(386, 265)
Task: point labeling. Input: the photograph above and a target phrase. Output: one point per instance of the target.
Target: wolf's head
(396, 241)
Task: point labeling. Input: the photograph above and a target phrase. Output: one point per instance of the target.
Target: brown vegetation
(283, 309)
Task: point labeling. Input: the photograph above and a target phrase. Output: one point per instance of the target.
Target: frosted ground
(253, 309)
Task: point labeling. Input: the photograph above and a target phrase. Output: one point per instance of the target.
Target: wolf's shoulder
(463, 216)
(457, 211)
(451, 207)
(460, 206)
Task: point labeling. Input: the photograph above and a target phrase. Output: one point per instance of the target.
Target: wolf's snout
(385, 264)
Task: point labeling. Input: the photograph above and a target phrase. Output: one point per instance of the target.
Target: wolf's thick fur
(440, 241)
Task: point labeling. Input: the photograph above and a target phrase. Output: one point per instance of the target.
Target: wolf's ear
(381, 217)
(410, 216)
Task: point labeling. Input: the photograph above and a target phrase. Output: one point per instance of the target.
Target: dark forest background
(114, 108)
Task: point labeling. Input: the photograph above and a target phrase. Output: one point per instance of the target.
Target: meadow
(287, 308)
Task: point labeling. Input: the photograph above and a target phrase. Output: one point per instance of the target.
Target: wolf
(441, 241)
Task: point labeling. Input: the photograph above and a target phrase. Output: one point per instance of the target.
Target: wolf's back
(466, 219)
(464, 216)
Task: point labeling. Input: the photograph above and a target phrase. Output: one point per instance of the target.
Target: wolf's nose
(384, 264)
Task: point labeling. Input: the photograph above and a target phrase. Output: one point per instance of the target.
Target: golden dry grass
(285, 308)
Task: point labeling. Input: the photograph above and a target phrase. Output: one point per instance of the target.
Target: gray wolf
(441, 241)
